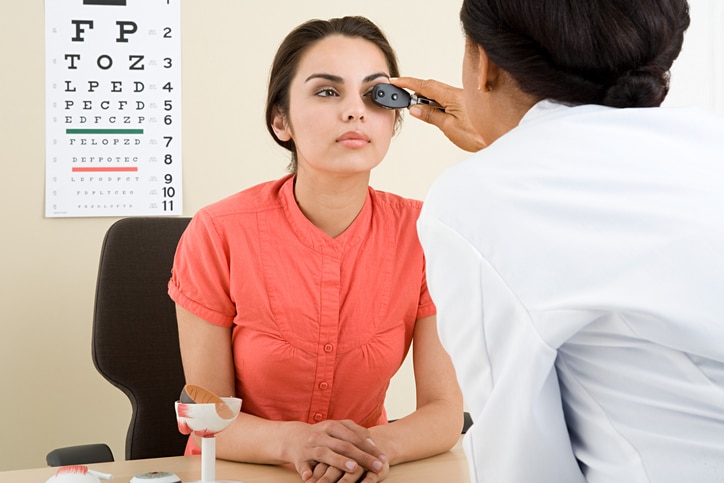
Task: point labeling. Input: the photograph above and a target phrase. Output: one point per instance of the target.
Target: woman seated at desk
(303, 295)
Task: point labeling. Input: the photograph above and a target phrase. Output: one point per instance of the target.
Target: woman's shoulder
(260, 197)
(390, 209)
(394, 201)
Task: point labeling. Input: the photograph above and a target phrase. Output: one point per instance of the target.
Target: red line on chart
(104, 170)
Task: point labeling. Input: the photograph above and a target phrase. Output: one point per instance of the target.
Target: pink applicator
(78, 474)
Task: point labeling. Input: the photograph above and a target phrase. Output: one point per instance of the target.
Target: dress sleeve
(506, 371)
(200, 277)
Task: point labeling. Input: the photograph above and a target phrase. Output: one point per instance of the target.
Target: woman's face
(334, 124)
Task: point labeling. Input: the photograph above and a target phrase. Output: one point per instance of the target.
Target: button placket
(328, 332)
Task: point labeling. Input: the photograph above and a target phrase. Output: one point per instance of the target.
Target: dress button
(318, 416)
(323, 385)
(328, 348)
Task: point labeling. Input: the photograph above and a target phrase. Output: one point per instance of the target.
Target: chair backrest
(135, 336)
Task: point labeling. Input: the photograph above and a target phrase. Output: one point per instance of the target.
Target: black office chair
(135, 338)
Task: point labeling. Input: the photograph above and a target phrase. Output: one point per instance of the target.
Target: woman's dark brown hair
(612, 52)
(286, 61)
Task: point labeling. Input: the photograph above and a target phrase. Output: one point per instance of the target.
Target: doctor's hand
(453, 121)
(341, 445)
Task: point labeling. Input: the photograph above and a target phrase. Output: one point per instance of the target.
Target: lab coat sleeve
(506, 370)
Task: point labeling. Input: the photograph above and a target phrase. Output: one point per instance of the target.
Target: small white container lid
(156, 477)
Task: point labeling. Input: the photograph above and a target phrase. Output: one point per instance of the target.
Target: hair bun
(642, 87)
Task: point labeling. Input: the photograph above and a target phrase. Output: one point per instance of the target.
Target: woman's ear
(488, 70)
(279, 125)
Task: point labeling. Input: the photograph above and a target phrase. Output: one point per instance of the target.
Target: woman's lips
(353, 139)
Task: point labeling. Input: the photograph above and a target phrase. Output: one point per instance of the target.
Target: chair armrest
(80, 455)
(467, 422)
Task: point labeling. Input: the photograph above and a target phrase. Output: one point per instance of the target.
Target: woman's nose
(355, 108)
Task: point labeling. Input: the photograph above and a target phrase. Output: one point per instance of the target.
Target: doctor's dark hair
(615, 53)
(293, 47)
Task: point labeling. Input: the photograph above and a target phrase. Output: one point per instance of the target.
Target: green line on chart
(104, 131)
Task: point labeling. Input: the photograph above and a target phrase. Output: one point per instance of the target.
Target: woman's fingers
(343, 454)
(330, 474)
(353, 441)
(343, 445)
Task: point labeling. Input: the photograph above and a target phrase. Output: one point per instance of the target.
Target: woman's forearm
(432, 429)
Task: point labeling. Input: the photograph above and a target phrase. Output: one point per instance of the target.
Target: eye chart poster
(113, 108)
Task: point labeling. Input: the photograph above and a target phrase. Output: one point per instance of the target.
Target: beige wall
(50, 393)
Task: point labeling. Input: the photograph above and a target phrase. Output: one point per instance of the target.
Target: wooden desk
(450, 467)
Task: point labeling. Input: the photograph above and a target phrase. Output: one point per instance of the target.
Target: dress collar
(315, 238)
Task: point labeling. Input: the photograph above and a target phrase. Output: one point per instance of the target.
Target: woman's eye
(328, 92)
(367, 97)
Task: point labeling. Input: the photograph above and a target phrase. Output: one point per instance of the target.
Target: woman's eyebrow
(377, 75)
(338, 80)
(332, 78)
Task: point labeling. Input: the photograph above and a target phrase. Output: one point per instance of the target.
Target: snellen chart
(113, 108)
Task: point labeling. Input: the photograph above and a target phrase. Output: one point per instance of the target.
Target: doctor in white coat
(577, 259)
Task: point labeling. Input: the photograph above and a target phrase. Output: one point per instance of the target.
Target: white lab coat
(577, 265)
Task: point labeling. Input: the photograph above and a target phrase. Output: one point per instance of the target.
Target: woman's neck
(331, 203)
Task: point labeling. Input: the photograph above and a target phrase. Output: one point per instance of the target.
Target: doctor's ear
(280, 127)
